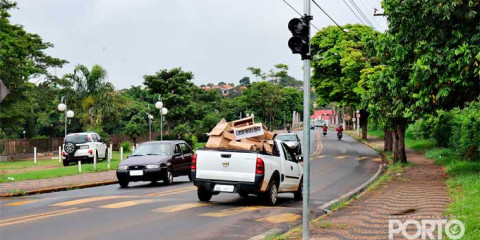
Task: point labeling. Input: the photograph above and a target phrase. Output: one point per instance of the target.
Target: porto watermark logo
(425, 229)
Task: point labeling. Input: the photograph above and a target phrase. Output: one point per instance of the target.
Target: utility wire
(362, 14)
(341, 28)
(354, 13)
(370, 7)
(327, 15)
(299, 13)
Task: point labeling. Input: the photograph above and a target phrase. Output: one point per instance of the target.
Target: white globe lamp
(62, 107)
(70, 114)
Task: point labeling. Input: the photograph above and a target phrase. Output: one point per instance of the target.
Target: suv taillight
(194, 162)
(260, 166)
(64, 154)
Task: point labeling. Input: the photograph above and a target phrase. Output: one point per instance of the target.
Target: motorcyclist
(339, 132)
(324, 129)
(340, 129)
(288, 128)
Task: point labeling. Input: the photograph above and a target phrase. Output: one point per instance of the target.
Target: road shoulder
(417, 193)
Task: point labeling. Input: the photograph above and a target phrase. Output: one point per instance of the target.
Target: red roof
(322, 114)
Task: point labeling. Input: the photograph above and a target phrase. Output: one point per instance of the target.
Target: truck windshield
(76, 139)
(152, 149)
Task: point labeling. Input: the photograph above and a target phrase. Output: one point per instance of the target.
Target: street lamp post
(62, 107)
(23, 134)
(150, 118)
(163, 112)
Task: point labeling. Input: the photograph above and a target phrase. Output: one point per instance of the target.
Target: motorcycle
(339, 135)
(324, 133)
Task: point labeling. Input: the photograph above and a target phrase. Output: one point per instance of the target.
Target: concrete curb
(57, 189)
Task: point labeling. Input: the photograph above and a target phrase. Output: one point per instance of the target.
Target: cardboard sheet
(241, 146)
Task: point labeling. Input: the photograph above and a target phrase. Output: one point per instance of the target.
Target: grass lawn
(59, 171)
(22, 164)
(463, 186)
(375, 133)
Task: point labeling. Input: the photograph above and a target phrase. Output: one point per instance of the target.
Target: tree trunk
(387, 139)
(399, 154)
(364, 123)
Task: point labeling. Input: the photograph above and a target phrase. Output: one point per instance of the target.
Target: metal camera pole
(306, 135)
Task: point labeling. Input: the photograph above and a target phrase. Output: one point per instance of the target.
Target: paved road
(146, 211)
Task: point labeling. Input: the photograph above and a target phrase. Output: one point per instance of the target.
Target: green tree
(222, 84)
(293, 101)
(135, 128)
(22, 57)
(265, 100)
(257, 72)
(245, 81)
(96, 95)
(175, 88)
(339, 59)
(429, 59)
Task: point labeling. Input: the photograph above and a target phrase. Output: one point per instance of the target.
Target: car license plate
(223, 188)
(136, 173)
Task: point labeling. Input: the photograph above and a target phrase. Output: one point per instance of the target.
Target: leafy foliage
(339, 58)
(22, 57)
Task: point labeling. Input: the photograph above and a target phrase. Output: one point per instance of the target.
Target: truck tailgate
(226, 165)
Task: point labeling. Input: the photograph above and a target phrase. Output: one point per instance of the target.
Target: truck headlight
(122, 167)
(151, 166)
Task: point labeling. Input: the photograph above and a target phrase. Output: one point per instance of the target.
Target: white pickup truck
(247, 172)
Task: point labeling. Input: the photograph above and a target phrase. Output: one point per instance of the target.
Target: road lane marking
(181, 207)
(173, 191)
(231, 211)
(18, 203)
(280, 218)
(87, 200)
(30, 218)
(319, 149)
(377, 160)
(362, 158)
(341, 157)
(128, 203)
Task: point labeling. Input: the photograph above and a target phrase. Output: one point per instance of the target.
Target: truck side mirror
(300, 158)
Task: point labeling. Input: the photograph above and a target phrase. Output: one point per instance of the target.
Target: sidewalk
(418, 193)
(57, 184)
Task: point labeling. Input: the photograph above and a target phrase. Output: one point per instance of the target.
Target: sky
(215, 39)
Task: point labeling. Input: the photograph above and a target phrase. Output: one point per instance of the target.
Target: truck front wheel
(204, 195)
(299, 193)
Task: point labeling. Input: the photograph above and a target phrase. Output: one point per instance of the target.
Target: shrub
(442, 128)
(419, 130)
(465, 135)
(127, 146)
(194, 141)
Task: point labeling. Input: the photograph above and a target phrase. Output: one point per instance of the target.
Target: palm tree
(88, 82)
(92, 89)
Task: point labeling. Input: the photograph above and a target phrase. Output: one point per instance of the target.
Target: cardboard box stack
(242, 134)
